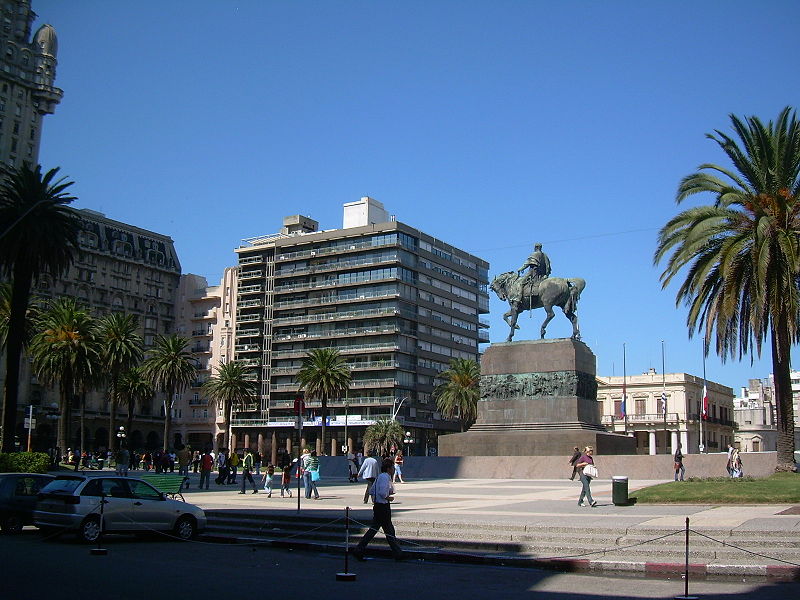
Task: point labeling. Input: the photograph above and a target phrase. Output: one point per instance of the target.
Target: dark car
(18, 492)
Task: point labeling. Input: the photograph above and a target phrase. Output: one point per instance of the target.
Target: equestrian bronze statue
(537, 289)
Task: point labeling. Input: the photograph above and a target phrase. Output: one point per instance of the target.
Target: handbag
(590, 471)
(315, 476)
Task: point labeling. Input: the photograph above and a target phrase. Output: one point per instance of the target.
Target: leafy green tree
(457, 397)
(170, 367)
(122, 350)
(134, 387)
(66, 350)
(383, 435)
(229, 388)
(741, 255)
(324, 375)
(39, 235)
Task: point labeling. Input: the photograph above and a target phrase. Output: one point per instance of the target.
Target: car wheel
(90, 530)
(185, 528)
(12, 524)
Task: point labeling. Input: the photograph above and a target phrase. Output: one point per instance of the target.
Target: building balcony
(247, 407)
(338, 299)
(201, 333)
(337, 266)
(337, 333)
(250, 260)
(332, 250)
(201, 349)
(247, 348)
(199, 316)
(338, 316)
(240, 333)
(250, 362)
(483, 336)
(329, 283)
(250, 275)
(349, 349)
(248, 318)
(250, 289)
(647, 419)
(200, 402)
(338, 402)
(249, 423)
(256, 302)
(353, 366)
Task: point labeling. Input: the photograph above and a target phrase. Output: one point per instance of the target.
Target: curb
(772, 573)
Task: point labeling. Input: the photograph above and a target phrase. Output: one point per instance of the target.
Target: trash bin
(619, 490)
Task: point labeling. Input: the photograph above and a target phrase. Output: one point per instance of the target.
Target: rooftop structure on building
(27, 77)
(397, 303)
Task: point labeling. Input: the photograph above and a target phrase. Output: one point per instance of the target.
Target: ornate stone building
(27, 75)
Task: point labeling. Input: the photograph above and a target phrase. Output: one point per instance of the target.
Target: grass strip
(779, 488)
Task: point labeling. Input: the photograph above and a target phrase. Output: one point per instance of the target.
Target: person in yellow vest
(247, 471)
(233, 467)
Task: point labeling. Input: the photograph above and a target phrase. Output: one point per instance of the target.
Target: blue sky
(490, 125)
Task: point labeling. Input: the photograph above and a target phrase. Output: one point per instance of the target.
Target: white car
(95, 504)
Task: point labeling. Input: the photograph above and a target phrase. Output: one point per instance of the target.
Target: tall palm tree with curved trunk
(66, 350)
(170, 367)
(133, 388)
(741, 255)
(122, 350)
(39, 234)
(229, 388)
(457, 397)
(324, 375)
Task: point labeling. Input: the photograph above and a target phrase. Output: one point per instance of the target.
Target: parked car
(129, 505)
(18, 493)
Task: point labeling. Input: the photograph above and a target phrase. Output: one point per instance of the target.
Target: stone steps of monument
(543, 542)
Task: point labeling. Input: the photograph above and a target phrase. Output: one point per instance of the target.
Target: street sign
(30, 423)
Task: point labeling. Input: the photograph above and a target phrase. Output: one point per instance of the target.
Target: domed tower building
(27, 75)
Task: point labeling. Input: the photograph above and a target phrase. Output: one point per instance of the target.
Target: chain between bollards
(347, 575)
(686, 595)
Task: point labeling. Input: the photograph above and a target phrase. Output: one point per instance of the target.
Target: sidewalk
(540, 518)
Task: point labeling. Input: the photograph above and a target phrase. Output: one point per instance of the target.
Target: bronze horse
(553, 291)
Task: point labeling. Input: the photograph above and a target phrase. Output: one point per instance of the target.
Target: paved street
(137, 568)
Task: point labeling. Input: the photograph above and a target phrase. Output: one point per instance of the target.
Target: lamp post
(121, 435)
(408, 441)
(397, 409)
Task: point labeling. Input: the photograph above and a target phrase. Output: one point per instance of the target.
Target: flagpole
(705, 392)
(703, 399)
(624, 390)
(664, 397)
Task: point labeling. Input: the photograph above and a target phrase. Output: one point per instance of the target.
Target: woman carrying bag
(588, 472)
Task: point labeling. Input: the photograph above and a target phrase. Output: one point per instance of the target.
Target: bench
(170, 484)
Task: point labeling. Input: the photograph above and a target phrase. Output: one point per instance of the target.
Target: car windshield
(62, 485)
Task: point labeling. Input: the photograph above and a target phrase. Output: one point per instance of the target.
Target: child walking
(268, 479)
(286, 480)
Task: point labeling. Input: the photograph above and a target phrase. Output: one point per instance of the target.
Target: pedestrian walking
(123, 459)
(584, 461)
(398, 467)
(368, 472)
(352, 468)
(206, 465)
(679, 468)
(247, 471)
(267, 479)
(382, 496)
(311, 474)
(233, 467)
(222, 466)
(575, 456)
(286, 479)
(184, 458)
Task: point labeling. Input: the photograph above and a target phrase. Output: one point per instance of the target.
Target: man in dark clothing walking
(382, 494)
(575, 456)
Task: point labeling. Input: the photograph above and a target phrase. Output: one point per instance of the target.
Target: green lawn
(780, 488)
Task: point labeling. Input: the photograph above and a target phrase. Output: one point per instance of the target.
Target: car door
(117, 509)
(150, 510)
(26, 491)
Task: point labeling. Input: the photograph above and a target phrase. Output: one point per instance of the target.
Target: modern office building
(205, 315)
(397, 303)
(122, 268)
(27, 75)
(658, 431)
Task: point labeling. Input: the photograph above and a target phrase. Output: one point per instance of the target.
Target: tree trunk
(228, 409)
(83, 432)
(112, 414)
(324, 409)
(129, 426)
(781, 371)
(20, 294)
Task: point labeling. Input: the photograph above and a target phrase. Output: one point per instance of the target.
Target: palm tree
(742, 253)
(170, 367)
(229, 388)
(324, 375)
(383, 435)
(39, 235)
(133, 387)
(66, 349)
(457, 398)
(5, 317)
(122, 350)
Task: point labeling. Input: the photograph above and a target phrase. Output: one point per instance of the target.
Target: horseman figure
(537, 289)
(538, 265)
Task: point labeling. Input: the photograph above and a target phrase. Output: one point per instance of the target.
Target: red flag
(704, 412)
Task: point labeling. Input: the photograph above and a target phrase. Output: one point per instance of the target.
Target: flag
(704, 412)
(664, 403)
(622, 408)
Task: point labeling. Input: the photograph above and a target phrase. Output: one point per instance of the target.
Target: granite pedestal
(538, 398)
